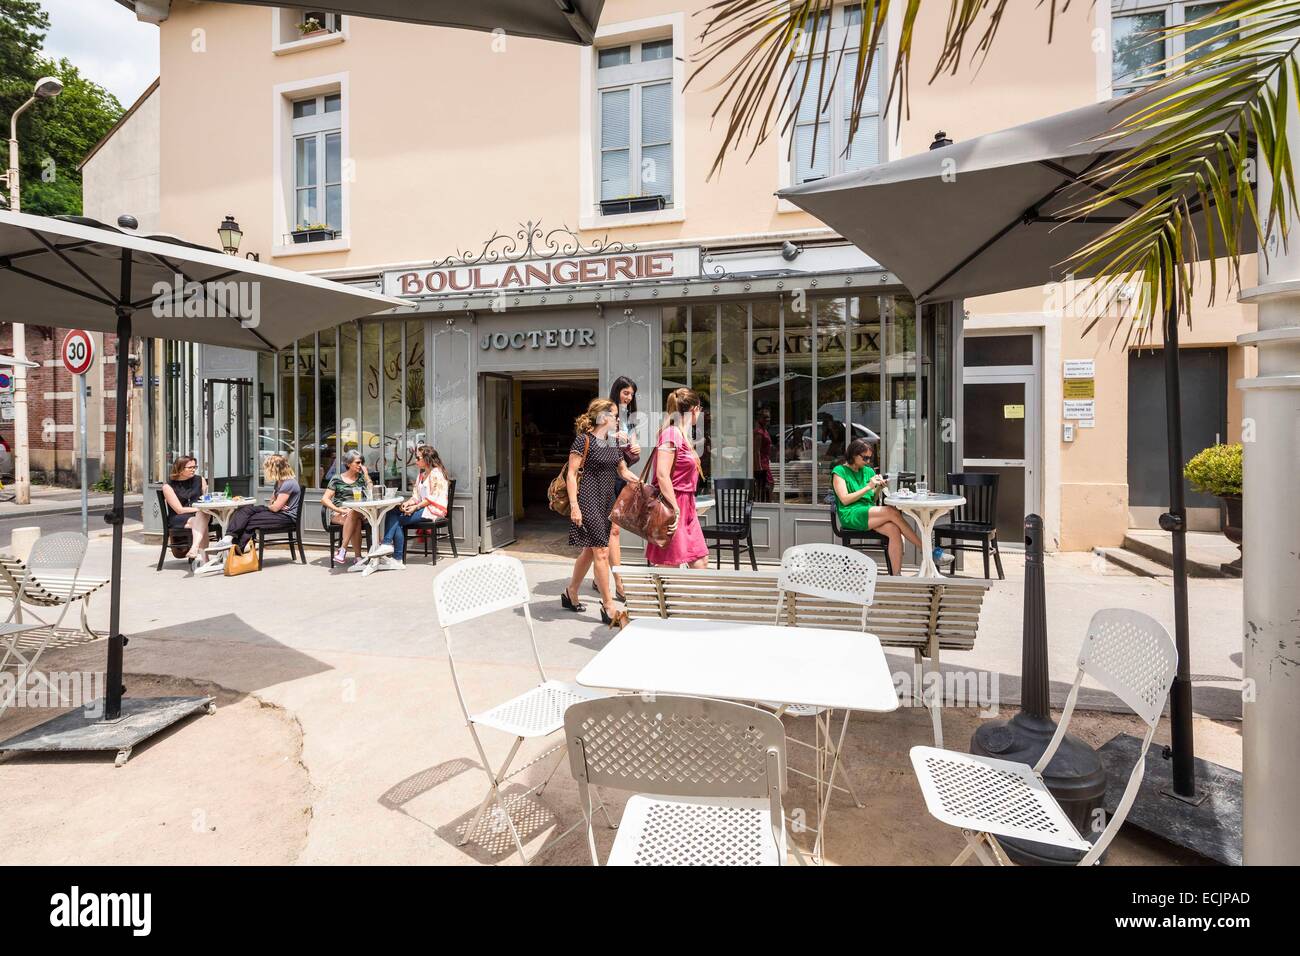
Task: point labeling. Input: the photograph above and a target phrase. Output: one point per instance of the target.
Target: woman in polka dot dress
(601, 461)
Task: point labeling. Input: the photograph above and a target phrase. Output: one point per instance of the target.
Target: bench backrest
(927, 613)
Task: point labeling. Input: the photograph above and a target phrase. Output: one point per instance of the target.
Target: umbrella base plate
(1210, 827)
(85, 729)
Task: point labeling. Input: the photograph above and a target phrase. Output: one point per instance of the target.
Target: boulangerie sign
(488, 277)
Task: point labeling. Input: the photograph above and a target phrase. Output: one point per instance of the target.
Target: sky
(106, 43)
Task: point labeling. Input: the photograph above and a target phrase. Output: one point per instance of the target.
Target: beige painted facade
(450, 137)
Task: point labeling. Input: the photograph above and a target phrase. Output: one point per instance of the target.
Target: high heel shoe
(571, 605)
(618, 619)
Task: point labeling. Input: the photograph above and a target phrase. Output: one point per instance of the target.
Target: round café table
(373, 510)
(926, 510)
(219, 509)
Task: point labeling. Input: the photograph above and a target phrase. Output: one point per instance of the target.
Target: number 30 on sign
(78, 351)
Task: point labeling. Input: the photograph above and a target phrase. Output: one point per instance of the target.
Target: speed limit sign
(78, 351)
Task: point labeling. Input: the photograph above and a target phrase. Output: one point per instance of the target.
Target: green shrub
(1216, 470)
(105, 482)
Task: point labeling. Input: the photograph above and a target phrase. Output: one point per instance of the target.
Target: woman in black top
(596, 453)
(180, 492)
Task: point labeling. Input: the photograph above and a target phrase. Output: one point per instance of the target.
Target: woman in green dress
(858, 489)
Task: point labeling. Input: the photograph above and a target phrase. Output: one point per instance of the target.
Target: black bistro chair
(492, 483)
(290, 536)
(177, 537)
(973, 526)
(436, 528)
(860, 540)
(733, 519)
(335, 531)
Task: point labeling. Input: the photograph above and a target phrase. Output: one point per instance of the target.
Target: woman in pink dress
(677, 472)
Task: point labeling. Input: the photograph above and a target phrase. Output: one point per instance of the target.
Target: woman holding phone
(858, 492)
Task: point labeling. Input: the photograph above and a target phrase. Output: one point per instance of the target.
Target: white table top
(931, 500)
(369, 502)
(736, 661)
(222, 504)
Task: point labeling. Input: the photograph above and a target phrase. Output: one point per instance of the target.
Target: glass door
(496, 494)
(228, 441)
(998, 438)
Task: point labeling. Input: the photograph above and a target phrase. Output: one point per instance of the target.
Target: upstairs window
(318, 163)
(824, 114)
(1138, 49)
(635, 103)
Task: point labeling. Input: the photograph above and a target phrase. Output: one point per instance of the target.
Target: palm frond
(1198, 142)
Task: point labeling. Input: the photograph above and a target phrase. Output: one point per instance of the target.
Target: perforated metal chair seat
(537, 712)
(992, 796)
(794, 710)
(686, 831)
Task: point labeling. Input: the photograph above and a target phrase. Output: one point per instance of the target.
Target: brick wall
(53, 438)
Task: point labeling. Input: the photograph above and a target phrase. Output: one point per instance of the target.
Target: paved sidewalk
(358, 753)
(52, 500)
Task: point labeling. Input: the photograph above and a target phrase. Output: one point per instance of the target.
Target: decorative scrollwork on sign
(531, 241)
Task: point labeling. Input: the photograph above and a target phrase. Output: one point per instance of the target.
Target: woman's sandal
(619, 618)
(569, 604)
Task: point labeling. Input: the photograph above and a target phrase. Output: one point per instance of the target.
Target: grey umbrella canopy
(78, 273)
(68, 273)
(567, 21)
(986, 216)
(985, 213)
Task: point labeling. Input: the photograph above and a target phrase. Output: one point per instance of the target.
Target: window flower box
(313, 234)
(630, 204)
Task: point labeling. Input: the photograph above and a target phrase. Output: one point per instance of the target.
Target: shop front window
(788, 384)
(372, 419)
(416, 433)
(765, 318)
(394, 401)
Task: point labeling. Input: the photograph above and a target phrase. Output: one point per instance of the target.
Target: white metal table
(220, 509)
(843, 670)
(926, 511)
(703, 506)
(373, 510)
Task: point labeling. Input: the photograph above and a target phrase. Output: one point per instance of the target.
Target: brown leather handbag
(557, 493)
(242, 562)
(641, 509)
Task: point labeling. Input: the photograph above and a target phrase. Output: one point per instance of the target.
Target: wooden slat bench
(927, 615)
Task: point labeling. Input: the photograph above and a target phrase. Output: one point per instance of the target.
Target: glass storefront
(787, 383)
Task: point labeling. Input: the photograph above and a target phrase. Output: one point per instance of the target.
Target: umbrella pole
(1175, 522)
(113, 685)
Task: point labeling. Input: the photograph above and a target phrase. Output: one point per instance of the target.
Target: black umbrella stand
(113, 724)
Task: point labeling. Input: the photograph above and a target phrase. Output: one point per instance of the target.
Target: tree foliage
(54, 136)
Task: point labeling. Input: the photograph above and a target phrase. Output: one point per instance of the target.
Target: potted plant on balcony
(311, 25)
(1217, 471)
(626, 204)
(316, 232)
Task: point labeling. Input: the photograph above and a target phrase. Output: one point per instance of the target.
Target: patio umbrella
(568, 21)
(994, 205)
(74, 272)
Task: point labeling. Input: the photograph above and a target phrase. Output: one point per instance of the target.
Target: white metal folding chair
(54, 557)
(840, 574)
(469, 590)
(1130, 655)
(708, 776)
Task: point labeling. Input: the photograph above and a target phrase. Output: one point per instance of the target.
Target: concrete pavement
(353, 675)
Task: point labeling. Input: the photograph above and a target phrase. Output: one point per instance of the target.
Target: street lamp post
(47, 87)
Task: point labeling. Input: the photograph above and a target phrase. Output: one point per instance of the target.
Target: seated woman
(351, 483)
(280, 515)
(428, 502)
(857, 487)
(183, 488)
